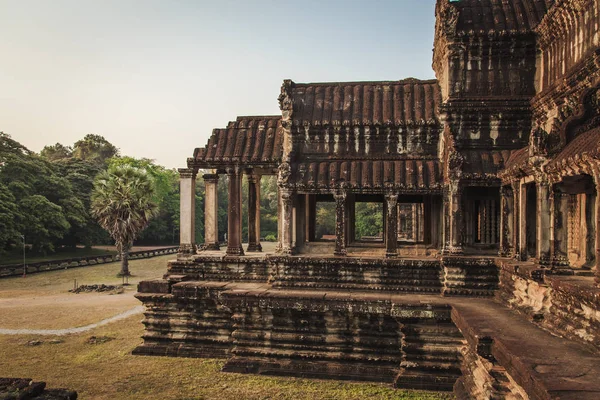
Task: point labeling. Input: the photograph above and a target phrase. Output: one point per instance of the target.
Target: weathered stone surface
(27, 389)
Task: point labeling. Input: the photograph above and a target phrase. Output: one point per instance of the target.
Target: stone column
(211, 214)
(286, 221)
(254, 213)
(516, 190)
(597, 227)
(279, 246)
(391, 242)
(522, 221)
(234, 232)
(187, 211)
(506, 221)
(560, 214)
(543, 223)
(455, 219)
(340, 223)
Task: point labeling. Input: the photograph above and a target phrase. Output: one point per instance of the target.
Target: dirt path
(67, 331)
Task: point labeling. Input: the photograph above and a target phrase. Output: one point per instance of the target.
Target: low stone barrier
(53, 265)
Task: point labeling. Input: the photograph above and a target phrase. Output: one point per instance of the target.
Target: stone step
(416, 380)
(354, 371)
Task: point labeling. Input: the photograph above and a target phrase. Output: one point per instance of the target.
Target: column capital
(506, 191)
(187, 173)
(391, 199)
(340, 195)
(211, 178)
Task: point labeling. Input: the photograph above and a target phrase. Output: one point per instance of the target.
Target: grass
(107, 370)
(16, 257)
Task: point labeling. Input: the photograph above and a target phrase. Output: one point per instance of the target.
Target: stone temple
(485, 280)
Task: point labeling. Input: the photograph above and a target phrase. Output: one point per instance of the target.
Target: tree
(94, 148)
(57, 152)
(123, 203)
(162, 229)
(43, 204)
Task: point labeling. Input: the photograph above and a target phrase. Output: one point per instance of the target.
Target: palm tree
(123, 203)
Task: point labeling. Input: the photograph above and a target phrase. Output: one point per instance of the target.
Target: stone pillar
(211, 212)
(597, 226)
(543, 223)
(234, 231)
(516, 191)
(560, 215)
(455, 219)
(279, 246)
(187, 211)
(254, 213)
(522, 221)
(340, 223)
(300, 221)
(391, 234)
(506, 221)
(286, 221)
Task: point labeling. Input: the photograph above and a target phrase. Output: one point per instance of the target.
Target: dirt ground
(98, 363)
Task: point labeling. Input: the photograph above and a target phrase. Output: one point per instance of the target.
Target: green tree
(123, 202)
(94, 148)
(56, 152)
(46, 206)
(10, 218)
(162, 229)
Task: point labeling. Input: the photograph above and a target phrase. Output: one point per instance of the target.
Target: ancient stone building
(489, 179)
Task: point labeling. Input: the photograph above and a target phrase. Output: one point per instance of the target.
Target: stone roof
(408, 175)
(500, 15)
(405, 102)
(584, 143)
(250, 141)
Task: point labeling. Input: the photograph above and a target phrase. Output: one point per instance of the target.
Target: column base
(559, 261)
(211, 246)
(235, 251)
(187, 249)
(286, 251)
(453, 250)
(254, 247)
(341, 252)
(545, 260)
(391, 254)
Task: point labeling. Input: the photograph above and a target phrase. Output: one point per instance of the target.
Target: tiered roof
(406, 102)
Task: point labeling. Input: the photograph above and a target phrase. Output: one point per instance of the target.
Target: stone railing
(53, 265)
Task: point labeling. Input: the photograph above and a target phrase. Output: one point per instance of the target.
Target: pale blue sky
(154, 77)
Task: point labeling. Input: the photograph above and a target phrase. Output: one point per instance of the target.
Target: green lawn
(16, 257)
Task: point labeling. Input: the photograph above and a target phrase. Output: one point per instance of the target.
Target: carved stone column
(543, 223)
(187, 211)
(254, 213)
(279, 220)
(516, 190)
(522, 222)
(597, 227)
(391, 215)
(455, 219)
(311, 217)
(560, 214)
(506, 221)
(234, 232)
(211, 214)
(340, 223)
(286, 221)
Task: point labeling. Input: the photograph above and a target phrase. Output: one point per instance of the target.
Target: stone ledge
(545, 366)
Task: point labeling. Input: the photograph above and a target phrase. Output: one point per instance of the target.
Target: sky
(155, 77)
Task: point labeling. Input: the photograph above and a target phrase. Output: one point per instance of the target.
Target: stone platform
(429, 324)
